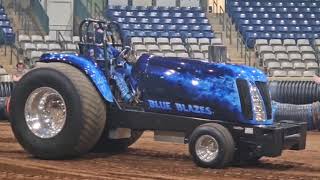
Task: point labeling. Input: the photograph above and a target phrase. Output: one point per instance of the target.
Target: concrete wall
(189, 3)
(60, 13)
(142, 2)
(166, 3)
(118, 2)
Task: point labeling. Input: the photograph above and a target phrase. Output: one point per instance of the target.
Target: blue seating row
(161, 21)
(276, 29)
(5, 23)
(155, 8)
(277, 15)
(275, 3)
(273, 9)
(156, 14)
(168, 34)
(259, 19)
(188, 21)
(7, 36)
(160, 27)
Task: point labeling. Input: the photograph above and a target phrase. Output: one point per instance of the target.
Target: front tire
(211, 146)
(56, 112)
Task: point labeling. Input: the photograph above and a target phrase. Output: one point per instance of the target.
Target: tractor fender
(87, 66)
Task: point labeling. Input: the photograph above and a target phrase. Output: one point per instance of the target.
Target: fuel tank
(193, 88)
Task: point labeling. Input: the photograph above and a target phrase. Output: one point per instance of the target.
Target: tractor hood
(197, 67)
(193, 82)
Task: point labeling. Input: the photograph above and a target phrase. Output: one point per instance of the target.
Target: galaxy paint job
(178, 86)
(194, 83)
(88, 66)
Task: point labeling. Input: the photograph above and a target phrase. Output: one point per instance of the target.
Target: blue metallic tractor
(99, 100)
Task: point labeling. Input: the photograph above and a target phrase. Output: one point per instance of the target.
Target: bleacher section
(273, 19)
(35, 45)
(7, 35)
(289, 58)
(165, 30)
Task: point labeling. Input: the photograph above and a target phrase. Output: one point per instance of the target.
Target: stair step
(233, 53)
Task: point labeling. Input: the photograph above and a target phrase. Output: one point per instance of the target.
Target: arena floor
(152, 160)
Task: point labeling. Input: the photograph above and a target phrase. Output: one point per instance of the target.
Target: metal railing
(215, 7)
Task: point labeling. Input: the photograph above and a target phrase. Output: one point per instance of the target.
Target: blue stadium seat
(202, 21)
(170, 27)
(147, 27)
(136, 27)
(196, 9)
(205, 27)
(183, 28)
(129, 20)
(176, 14)
(174, 8)
(129, 14)
(166, 21)
(155, 20)
(162, 8)
(120, 20)
(188, 15)
(173, 34)
(179, 21)
(209, 35)
(151, 34)
(197, 35)
(144, 20)
(3, 17)
(125, 26)
(195, 28)
(4, 23)
(140, 14)
(159, 27)
(165, 15)
(164, 34)
(139, 33)
(153, 14)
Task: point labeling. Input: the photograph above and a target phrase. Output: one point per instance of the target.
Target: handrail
(215, 6)
(222, 18)
(186, 44)
(228, 25)
(59, 40)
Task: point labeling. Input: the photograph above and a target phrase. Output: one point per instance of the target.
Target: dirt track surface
(152, 160)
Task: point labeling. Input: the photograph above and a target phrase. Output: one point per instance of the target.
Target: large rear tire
(74, 100)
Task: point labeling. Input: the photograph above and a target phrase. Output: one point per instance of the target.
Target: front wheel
(56, 112)
(211, 145)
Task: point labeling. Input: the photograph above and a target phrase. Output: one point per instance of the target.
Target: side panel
(88, 66)
(185, 91)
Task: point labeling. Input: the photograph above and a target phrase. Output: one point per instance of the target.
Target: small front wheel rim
(45, 112)
(207, 148)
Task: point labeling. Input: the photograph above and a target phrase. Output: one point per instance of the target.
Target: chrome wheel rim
(45, 112)
(207, 148)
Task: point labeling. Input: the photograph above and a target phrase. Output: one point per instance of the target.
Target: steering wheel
(125, 52)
